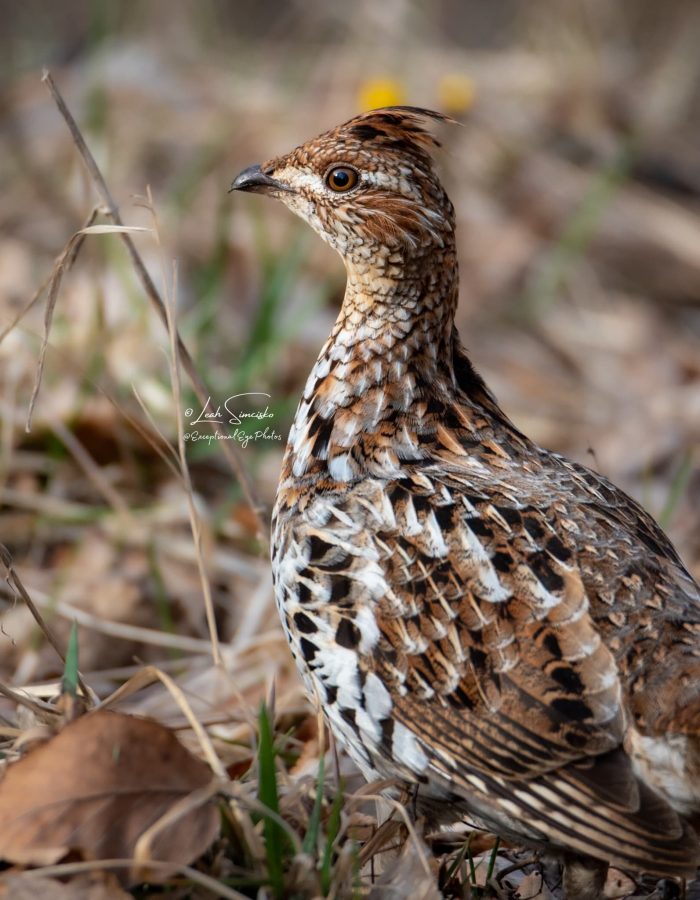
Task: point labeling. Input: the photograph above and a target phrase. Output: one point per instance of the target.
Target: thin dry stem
(195, 521)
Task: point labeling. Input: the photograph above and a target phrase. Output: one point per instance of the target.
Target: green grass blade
(472, 870)
(311, 836)
(69, 684)
(492, 860)
(275, 840)
(454, 866)
(333, 829)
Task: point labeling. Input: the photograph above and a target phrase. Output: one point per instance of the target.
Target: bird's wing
(492, 651)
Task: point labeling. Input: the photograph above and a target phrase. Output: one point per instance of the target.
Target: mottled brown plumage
(492, 625)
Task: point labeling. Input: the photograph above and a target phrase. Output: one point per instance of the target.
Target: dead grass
(579, 206)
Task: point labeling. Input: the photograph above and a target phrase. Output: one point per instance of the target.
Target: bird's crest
(404, 128)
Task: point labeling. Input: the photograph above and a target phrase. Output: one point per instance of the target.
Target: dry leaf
(97, 787)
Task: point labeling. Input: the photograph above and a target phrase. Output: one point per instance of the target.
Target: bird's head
(368, 187)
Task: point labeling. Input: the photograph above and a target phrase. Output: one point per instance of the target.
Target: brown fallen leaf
(97, 787)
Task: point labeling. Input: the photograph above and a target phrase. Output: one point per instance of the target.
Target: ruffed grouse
(501, 630)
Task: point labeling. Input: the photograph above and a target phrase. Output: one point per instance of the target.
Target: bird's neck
(397, 313)
(391, 348)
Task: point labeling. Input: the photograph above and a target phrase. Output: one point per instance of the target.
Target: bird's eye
(341, 179)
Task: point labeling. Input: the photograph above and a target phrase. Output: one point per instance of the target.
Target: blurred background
(576, 179)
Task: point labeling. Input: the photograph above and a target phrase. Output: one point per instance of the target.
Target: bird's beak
(253, 179)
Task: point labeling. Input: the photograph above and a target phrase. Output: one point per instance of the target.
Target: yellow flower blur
(376, 92)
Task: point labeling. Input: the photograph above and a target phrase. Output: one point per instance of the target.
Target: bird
(500, 631)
